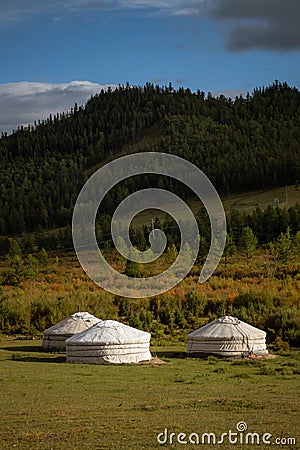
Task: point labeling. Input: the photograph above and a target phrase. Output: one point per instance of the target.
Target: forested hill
(242, 144)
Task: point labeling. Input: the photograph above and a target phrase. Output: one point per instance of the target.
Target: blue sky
(56, 52)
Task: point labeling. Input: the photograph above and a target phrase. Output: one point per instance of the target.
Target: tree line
(266, 224)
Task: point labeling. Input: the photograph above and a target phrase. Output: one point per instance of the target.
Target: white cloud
(166, 7)
(233, 93)
(24, 102)
(17, 10)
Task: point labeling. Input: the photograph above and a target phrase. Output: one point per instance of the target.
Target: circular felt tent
(109, 342)
(227, 336)
(55, 336)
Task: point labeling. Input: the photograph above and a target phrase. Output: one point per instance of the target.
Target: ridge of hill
(250, 143)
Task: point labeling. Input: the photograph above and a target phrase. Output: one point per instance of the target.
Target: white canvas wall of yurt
(227, 336)
(54, 337)
(109, 342)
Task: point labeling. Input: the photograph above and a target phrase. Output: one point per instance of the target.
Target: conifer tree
(248, 243)
(283, 248)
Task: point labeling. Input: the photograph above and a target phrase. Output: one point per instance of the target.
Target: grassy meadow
(46, 403)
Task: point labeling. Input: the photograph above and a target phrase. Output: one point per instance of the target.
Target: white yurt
(109, 342)
(55, 336)
(227, 336)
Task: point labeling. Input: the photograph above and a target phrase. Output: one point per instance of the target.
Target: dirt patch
(153, 361)
(253, 356)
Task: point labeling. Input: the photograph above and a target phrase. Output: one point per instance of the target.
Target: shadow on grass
(23, 348)
(55, 359)
(16, 354)
(169, 354)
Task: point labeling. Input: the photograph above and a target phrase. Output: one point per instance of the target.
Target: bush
(279, 344)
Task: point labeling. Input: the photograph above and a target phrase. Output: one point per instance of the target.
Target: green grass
(247, 201)
(48, 404)
(288, 196)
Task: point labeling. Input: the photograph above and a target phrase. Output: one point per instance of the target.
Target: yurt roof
(227, 327)
(109, 332)
(73, 324)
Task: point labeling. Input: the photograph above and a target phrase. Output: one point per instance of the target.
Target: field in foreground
(48, 404)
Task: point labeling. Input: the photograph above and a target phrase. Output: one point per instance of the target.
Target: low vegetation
(38, 291)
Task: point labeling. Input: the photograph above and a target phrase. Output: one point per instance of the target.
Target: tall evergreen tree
(248, 243)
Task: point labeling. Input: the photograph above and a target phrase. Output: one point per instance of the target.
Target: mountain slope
(249, 143)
